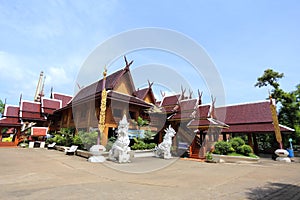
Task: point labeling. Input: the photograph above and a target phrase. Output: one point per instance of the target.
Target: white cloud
(9, 66)
(57, 76)
(16, 78)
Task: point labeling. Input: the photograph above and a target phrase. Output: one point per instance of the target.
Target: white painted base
(283, 159)
(96, 159)
(143, 153)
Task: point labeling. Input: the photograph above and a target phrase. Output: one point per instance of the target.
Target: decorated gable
(125, 84)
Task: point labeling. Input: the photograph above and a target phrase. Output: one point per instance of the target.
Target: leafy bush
(68, 134)
(59, 140)
(141, 145)
(151, 145)
(77, 141)
(245, 150)
(208, 156)
(50, 140)
(88, 138)
(222, 147)
(236, 142)
(149, 135)
(138, 145)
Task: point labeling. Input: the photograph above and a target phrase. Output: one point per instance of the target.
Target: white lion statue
(120, 149)
(164, 149)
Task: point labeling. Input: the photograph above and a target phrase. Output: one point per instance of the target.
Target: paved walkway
(49, 174)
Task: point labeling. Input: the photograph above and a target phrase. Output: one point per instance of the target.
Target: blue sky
(243, 38)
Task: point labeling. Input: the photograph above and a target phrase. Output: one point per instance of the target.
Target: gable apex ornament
(127, 64)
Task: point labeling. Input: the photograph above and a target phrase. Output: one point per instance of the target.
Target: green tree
(1, 108)
(289, 102)
(269, 77)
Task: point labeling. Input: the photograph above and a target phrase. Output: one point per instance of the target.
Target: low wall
(233, 159)
(87, 154)
(59, 148)
(143, 153)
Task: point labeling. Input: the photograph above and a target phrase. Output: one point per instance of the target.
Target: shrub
(141, 145)
(138, 145)
(59, 140)
(222, 147)
(151, 145)
(88, 138)
(149, 135)
(208, 156)
(77, 141)
(236, 142)
(50, 140)
(245, 150)
(68, 134)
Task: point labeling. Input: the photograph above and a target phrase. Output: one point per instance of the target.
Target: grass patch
(251, 155)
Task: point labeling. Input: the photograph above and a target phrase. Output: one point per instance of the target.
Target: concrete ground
(49, 174)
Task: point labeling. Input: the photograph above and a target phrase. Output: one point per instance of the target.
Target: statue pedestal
(97, 150)
(282, 155)
(100, 159)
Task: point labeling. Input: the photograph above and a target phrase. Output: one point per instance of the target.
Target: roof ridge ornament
(150, 84)
(127, 64)
(200, 97)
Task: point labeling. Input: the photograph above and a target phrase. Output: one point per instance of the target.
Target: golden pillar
(275, 123)
(101, 122)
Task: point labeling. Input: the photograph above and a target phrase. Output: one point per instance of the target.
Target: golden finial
(105, 71)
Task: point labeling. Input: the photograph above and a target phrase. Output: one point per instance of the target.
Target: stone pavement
(49, 174)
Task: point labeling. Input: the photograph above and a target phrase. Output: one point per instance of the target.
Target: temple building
(83, 110)
(251, 119)
(17, 119)
(198, 125)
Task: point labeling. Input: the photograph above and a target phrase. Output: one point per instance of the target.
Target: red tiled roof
(199, 122)
(141, 94)
(249, 117)
(128, 99)
(204, 123)
(96, 88)
(170, 103)
(188, 105)
(31, 111)
(257, 112)
(182, 116)
(253, 127)
(10, 116)
(50, 105)
(11, 111)
(202, 112)
(185, 110)
(63, 97)
(170, 100)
